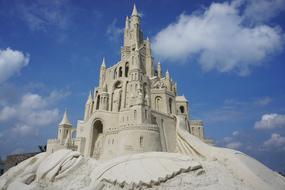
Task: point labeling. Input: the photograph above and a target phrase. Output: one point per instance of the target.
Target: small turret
(88, 107)
(135, 12)
(102, 73)
(127, 25)
(135, 18)
(65, 121)
(159, 70)
(168, 81)
(64, 128)
(103, 65)
(167, 75)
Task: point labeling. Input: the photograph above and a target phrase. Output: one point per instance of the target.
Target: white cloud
(113, 31)
(234, 145)
(275, 142)
(44, 15)
(270, 121)
(263, 10)
(263, 101)
(220, 38)
(32, 112)
(23, 130)
(232, 141)
(11, 62)
(235, 133)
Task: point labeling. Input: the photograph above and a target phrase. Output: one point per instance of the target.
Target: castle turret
(88, 107)
(64, 128)
(159, 70)
(102, 73)
(127, 24)
(135, 18)
(104, 99)
(168, 81)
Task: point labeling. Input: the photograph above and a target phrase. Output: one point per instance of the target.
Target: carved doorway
(97, 139)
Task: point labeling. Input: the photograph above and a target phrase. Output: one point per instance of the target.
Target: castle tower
(88, 107)
(64, 129)
(102, 73)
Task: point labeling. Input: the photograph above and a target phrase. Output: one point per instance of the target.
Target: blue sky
(226, 56)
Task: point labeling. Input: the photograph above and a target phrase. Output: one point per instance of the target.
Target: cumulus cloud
(32, 112)
(232, 141)
(276, 142)
(270, 121)
(220, 38)
(11, 62)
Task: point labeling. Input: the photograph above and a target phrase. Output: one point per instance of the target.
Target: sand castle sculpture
(137, 133)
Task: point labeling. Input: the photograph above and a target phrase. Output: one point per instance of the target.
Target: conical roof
(89, 99)
(65, 120)
(135, 12)
(103, 62)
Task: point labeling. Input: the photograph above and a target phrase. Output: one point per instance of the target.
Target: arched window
(170, 105)
(96, 145)
(135, 114)
(120, 72)
(98, 102)
(141, 141)
(182, 110)
(127, 69)
(158, 103)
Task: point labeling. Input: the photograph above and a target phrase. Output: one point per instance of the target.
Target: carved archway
(96, 139)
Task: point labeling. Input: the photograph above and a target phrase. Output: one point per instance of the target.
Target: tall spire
(65, 120)
(127, 23)
(135, 12)
(103, 62)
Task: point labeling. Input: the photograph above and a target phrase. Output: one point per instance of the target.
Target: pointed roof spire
(103, 62)
(167, 75)
(147, 38)
(65, 120)
(135, 12)
(127, 22)
(159, 70)
(89, 100)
